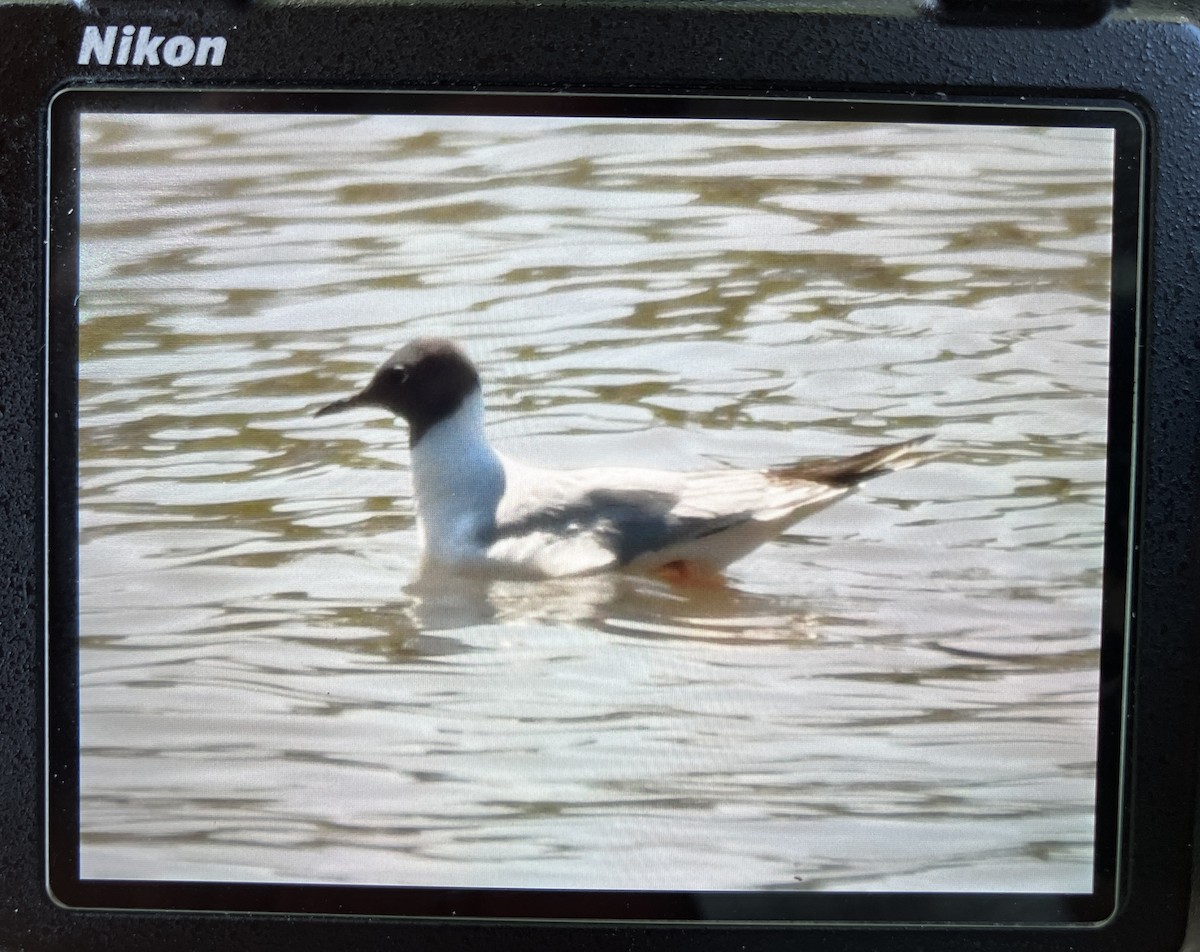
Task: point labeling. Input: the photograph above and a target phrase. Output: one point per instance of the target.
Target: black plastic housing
(1142, 54)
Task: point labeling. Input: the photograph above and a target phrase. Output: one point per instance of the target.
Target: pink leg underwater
(687, 574)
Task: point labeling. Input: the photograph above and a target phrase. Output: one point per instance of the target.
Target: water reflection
(618, 603)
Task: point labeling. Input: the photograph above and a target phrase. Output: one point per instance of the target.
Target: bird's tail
(850, 470)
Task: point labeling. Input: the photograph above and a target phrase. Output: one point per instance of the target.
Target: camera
(492, 474)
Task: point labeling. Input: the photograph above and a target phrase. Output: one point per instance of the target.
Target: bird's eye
(399, 374)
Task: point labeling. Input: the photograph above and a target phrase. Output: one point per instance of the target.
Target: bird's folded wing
(589, 520)
(760, 495)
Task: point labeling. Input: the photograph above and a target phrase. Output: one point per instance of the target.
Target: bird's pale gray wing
(625, 522)
(728, 513)
(760, 495)
(582, 516)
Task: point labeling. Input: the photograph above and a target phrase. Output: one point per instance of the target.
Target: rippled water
(899, 694)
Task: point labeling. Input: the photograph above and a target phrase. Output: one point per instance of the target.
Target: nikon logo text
(141, 46)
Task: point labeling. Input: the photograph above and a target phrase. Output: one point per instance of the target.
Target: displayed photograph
(592, 502)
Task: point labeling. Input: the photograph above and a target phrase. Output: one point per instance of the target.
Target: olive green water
(899, 694)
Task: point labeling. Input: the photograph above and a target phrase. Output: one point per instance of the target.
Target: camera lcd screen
(726, 517)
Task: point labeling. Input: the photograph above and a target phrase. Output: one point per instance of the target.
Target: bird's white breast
(458, 481)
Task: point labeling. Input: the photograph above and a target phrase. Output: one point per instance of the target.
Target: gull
(481, 513)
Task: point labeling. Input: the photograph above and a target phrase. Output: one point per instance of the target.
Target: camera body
(1144, 57)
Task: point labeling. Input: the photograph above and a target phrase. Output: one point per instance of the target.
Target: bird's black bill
(349, 403)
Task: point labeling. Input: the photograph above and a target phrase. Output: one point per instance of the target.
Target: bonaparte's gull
(481, 513)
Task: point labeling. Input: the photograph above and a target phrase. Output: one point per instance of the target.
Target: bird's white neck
(458, 480)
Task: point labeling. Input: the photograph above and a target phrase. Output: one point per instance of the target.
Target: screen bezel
(62, 714)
